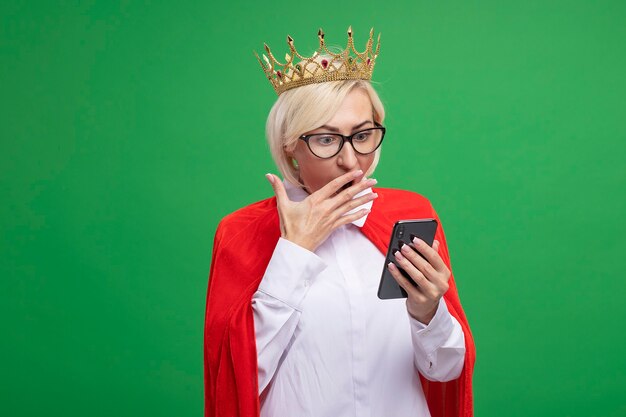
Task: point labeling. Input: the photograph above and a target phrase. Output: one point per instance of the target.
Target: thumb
(279, 188)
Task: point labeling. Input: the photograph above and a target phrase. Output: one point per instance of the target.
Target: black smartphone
(403, 231)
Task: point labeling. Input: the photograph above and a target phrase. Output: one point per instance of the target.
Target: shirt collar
(297, 193)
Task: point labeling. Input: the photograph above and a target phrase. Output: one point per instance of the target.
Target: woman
(293, 325)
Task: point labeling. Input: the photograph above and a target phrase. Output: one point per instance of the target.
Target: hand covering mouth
(351, 183)
(368, 205)
(346, 186)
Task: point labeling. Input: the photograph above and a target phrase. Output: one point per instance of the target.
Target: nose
(347, 157)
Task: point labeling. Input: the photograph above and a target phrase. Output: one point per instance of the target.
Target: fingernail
(405, 247)
(374, 195)
(391, 265)
(270, 178)
(371, 182)
(399, 255)
(357, 173)
(417, 241)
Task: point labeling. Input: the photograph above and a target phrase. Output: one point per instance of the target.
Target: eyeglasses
(327, 145)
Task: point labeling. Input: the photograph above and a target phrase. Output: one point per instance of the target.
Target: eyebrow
(334, 129)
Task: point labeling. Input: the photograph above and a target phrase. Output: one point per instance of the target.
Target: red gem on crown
(324, 63)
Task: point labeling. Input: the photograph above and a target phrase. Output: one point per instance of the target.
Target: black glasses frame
(345, 139)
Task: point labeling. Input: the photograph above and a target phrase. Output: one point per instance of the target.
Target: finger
(439, 279)
(279, 189)
(403, 282)
(436, 245)
(342, 210)
(349, 218)
(416, 275)
(348, 194)
(333, 186)
(420, 262)
(430, 254)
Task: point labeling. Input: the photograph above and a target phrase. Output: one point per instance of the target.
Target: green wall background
(129, 129)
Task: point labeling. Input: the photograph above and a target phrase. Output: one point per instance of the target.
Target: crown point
(289, 39)
(320, 35)
(371, 32)
(259, 59)
(350, 31)
(267, 48)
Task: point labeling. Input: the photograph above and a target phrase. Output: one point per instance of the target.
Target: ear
(289, 151)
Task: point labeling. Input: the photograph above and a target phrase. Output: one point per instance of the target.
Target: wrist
(301, 242)
(424, 318)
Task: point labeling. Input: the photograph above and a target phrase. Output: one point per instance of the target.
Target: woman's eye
(326, 140)
(361, 137)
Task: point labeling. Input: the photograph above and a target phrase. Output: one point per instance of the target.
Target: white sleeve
(439, 346)
(276, 303)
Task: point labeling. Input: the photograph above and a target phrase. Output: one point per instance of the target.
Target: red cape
(244, 243)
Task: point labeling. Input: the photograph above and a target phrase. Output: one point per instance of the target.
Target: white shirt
(328, 346)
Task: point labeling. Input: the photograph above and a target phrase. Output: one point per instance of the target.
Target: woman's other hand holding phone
(430, 274)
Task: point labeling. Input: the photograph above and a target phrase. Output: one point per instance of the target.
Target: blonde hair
(306, 108)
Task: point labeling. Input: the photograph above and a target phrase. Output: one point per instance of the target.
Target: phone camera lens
(400, 233)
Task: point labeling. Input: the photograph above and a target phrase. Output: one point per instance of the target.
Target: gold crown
(322, 66)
